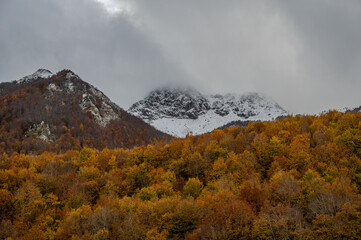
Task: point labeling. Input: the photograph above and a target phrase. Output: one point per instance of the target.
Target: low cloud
(304, 54)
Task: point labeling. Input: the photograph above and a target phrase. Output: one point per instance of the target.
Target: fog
(306, 54)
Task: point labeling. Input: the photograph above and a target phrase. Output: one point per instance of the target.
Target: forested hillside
(61, 112)
(295, 178)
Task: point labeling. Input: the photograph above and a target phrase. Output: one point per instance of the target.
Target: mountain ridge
(58, 112)
(180, 111)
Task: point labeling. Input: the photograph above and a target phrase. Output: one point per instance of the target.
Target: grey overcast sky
(304, 54)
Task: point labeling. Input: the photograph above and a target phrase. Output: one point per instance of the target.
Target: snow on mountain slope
(62, 112)
(179, 103)
(40, 73)
(91, 100)
(65, 87)
(343, 110)
(182, 111)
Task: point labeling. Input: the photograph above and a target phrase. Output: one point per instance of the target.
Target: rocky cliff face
(182, 111)
(171, 103)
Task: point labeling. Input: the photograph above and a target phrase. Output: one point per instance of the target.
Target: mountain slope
(181, 111)
(46, 111)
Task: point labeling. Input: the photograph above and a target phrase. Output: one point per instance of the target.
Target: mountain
(348, 109)
(41, 73)
(57, 112)
(342, 110)
(179, 111)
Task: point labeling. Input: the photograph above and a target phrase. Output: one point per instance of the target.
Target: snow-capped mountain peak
(40, 73)
(90, 100)
(67, 88)
(180, 111)
(64, 112)
(180, 103)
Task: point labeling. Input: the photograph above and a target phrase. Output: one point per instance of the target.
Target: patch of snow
(71, 75)
(180, 112)
(167, 102)
(70, 85)
(41, 73)
(205, 123)
(342, 110)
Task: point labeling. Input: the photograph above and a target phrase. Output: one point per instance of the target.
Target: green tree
(193, 188)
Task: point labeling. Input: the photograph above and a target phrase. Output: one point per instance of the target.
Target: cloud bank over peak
(305, 54)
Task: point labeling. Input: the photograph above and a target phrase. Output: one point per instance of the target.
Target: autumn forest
(298, 177)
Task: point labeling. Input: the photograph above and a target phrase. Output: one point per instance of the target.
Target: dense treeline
(296, 178)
